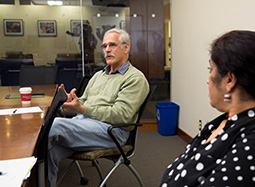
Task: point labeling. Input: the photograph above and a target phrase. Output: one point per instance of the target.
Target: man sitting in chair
(113, 95)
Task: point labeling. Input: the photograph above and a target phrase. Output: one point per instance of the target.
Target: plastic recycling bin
(167, 118)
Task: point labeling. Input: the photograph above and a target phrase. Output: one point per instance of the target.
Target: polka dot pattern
(212, 179)
(183, 173)
(224, 137)
(200, 166)
(247, 148)
(224, 169)
(249, 157)
(207, 148)
(234, 118)
(225, 178)
(237, 168)
(251, 113)
(210, 126)
(227, 159)
(235, 159)
(180, 166)
(164, 185)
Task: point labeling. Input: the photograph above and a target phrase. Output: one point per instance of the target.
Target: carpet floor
(153, 154)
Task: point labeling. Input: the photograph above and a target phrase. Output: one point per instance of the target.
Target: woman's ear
(231, 81)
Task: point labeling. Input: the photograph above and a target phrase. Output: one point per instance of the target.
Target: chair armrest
(126, 161)
(118, 125)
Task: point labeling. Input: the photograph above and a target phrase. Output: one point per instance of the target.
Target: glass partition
(46, 32)
(49, 35)
(52, 35)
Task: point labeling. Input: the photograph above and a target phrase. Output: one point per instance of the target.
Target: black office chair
(10, 69)
(79, 91)
(37, 75)
(41, 148)
(119, 155)
(82, 85)
(69, 72)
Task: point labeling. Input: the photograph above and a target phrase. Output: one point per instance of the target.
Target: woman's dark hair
(234, 52)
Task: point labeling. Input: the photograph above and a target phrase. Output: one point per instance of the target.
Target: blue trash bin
(167, 118)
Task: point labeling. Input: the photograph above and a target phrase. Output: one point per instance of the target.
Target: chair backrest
(132, 137)
(69, 72)
(82, 85)
(41, 147)
(37, 75)
(10, 69)
(142, 108)
(40, 150)
(71, 62)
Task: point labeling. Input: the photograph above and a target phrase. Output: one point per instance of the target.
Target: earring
(227, 97)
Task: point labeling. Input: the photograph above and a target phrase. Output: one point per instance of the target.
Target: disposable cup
(25, 95)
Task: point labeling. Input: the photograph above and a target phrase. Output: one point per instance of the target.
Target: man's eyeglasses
(111, 45)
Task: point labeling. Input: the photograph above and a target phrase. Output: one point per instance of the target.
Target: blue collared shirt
(121, 70)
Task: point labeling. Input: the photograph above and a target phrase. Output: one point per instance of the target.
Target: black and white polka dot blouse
(227, 160)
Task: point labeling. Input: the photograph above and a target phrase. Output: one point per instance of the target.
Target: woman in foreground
(223, 153)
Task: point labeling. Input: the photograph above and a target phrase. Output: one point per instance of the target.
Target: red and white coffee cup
(25, 95)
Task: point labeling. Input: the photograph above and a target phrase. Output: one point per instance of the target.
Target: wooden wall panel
(147, 37)
(139, 51)
(156, 54)
(157, 8)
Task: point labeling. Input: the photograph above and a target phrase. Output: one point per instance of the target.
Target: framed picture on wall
(47, 27)
(75, 27)
(13, 27)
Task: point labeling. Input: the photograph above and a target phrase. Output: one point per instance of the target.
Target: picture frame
(75, 26)
(47, 27)
(13, 27)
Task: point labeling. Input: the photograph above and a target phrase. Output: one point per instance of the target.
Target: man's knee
(58, 126)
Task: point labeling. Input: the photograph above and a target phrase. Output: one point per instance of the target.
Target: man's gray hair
(124, 37)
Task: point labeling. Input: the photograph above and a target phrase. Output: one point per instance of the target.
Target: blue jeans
(78, 134)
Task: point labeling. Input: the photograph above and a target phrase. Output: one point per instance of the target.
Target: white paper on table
(20, 110)
(15, 171)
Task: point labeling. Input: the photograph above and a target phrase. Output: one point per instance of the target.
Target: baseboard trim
(151, 125)
(148, 125)
(183, 135)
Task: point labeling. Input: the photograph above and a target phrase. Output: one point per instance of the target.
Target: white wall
(195, 24)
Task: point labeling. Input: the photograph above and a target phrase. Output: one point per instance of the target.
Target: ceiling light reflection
(52, 3)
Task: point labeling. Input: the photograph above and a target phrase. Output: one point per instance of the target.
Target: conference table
(19, 132)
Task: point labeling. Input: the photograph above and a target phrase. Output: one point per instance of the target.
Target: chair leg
(95, 163)
(83, 180)
(117, 164)
(64, 173)
(136, 175)
(41, 174)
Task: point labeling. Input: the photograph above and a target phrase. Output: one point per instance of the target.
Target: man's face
(115, 53)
